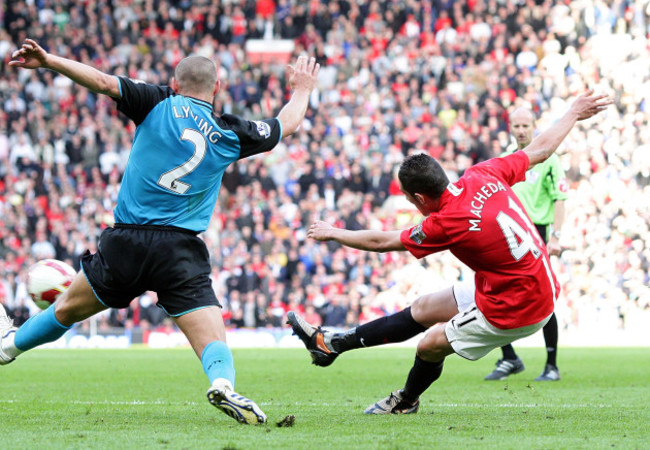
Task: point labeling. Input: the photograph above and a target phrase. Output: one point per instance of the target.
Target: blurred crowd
(397, 77)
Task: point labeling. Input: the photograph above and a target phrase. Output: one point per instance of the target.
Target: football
(47, 279)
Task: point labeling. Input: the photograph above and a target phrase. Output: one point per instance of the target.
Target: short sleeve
(511, 168)
(426, 238)
(139, 98)
(255, 136)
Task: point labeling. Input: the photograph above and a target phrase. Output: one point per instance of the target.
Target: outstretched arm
(302, 79)
(584, 107)
(33, 56)
(370, 240)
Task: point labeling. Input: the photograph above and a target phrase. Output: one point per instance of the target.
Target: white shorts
(471, 335)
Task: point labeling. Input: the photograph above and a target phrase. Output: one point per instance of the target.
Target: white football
(47, 279)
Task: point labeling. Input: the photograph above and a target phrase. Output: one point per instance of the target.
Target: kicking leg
(206, 332)
(76, 304)
(325, 346)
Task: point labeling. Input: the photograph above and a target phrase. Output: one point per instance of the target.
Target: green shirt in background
(544, 185)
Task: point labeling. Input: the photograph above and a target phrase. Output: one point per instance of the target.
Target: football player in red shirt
(482, 222)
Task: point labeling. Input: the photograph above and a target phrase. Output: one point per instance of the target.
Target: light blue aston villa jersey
(179, 154)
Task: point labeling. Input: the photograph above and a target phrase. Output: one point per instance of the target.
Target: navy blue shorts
(132, 259)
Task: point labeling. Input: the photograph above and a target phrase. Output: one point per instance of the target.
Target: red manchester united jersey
(481, 221)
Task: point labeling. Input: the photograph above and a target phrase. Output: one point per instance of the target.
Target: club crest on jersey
(417, 235)
(263, 129)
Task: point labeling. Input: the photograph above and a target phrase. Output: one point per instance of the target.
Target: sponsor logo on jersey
(263, 129)
(563, 185)
(417, 235)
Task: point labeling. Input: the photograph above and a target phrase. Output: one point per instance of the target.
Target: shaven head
(196, 75)
(522, 126)
(421, 174)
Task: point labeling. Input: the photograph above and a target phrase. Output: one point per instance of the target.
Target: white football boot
(240, 408)
(7, 332)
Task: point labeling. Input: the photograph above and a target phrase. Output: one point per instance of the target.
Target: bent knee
(76, 305)
(64, 312)
(434, 346)
(416, 306)
(421, 309)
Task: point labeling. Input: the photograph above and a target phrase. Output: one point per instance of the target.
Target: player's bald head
(523, 114)
(196, 74)
(522, 126)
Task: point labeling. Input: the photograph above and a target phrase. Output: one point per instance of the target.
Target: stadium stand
(397, 78)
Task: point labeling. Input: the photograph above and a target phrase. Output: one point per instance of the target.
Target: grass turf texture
(142, 398)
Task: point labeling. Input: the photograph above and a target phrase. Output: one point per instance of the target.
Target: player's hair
(196, 74)
(421, 174)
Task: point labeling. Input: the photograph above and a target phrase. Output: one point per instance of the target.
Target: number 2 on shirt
(170, 180)
(520, 241)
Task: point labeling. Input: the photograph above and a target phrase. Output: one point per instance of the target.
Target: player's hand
(588, 105)
(29, 56)
(321, 231)
(304, 75)
(553, 248)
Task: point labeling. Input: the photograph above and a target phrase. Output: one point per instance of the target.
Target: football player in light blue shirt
(180, 151)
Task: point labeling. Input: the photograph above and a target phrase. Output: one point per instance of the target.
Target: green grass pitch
(142, 398)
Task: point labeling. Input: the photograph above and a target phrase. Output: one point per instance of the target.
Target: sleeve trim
(281, 133)
(119, 85)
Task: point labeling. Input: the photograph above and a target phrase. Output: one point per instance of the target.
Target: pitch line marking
(189, 403)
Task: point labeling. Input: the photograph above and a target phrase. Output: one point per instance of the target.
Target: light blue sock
(217, 362)
(39, 329)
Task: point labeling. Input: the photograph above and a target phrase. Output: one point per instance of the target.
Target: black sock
(397, 327)
(422, 374)
(550, 337)
(508, 352)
